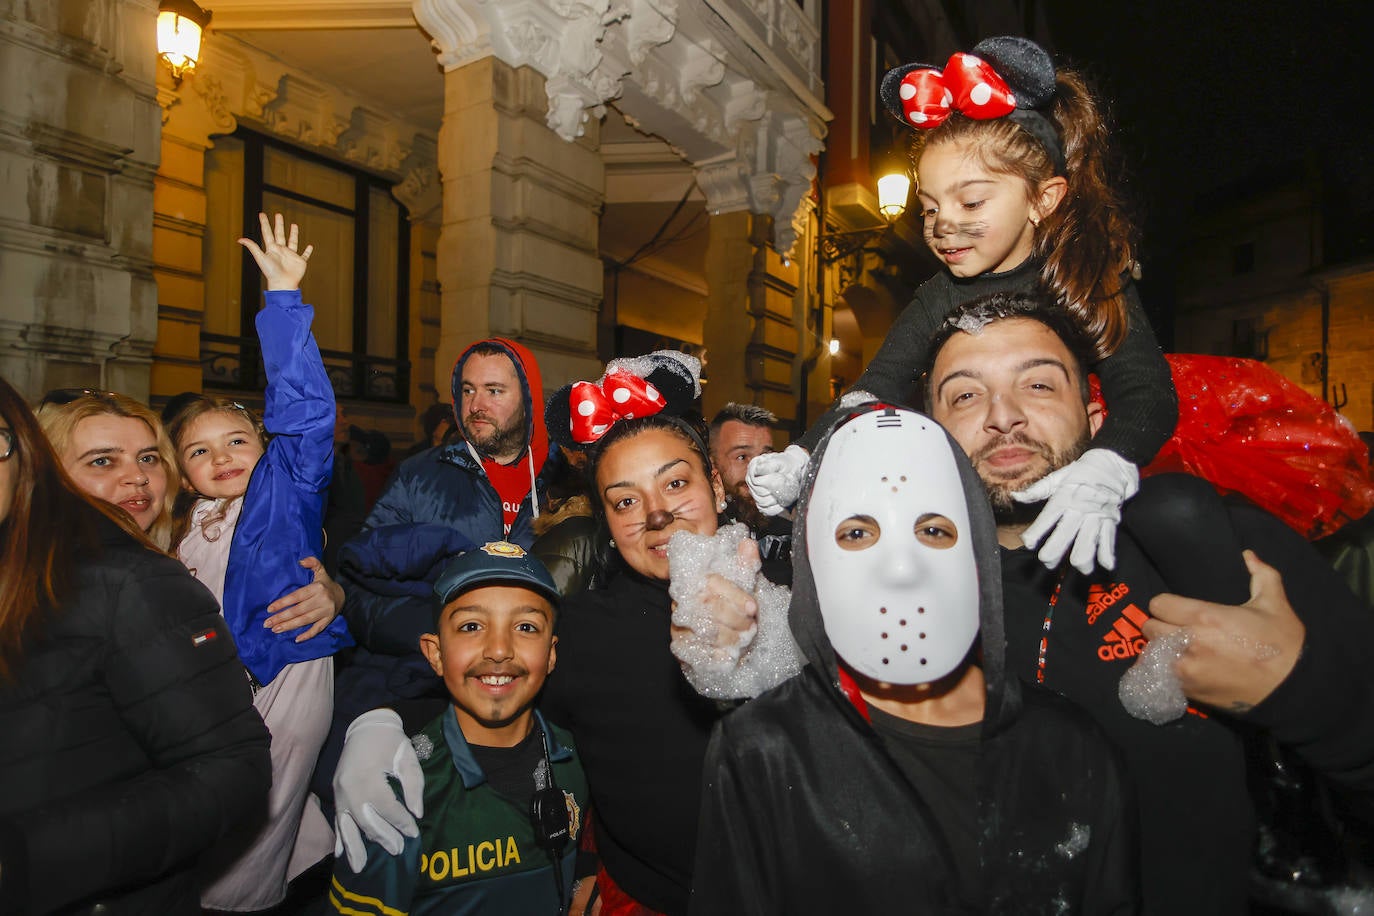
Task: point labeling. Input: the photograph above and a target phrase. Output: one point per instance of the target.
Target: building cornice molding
(241, 15)
(236, 82)
(732, 86)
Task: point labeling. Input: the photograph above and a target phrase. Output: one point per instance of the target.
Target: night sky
(1211, 96)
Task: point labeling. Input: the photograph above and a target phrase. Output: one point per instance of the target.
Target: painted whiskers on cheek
(663, 518)
(974, 230)
(691, 508)
(946, 229)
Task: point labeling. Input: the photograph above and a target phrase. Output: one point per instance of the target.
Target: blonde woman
(115, 449)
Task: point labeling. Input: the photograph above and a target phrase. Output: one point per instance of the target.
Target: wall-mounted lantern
(893, 189)
(180, 27)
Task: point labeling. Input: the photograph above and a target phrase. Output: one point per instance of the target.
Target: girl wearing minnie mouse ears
(1012, 167)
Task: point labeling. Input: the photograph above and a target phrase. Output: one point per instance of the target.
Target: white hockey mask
(898, 595)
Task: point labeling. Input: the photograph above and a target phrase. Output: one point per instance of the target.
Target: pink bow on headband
(968, 85)
(622, 395)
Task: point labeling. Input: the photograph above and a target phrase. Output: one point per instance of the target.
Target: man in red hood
(499, 405)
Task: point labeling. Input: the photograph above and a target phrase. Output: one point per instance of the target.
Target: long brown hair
(59, 422)
(49, 521)
(1089, 241)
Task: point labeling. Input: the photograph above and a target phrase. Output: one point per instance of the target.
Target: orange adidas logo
(1124, 639)
(1101, 597)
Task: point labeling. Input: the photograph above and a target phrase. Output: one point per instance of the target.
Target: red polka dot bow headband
(622, 395)
(968, 84)
(1007, 77)
(664, 381)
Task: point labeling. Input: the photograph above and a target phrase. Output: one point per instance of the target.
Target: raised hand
(733, 612)
(280, 263)
(730, 631)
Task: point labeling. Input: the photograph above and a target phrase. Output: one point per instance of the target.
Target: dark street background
(1211, 99)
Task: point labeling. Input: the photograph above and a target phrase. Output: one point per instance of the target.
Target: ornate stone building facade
(126, 188)
(78, 155)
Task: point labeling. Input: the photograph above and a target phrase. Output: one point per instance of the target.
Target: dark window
(359, 273)
(1248, 340)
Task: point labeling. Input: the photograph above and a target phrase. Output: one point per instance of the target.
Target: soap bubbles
(765, 655)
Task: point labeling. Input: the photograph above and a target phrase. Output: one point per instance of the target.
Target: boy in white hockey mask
(901, 770)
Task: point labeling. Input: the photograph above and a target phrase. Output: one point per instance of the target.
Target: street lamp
(180, 25)
(893, 189)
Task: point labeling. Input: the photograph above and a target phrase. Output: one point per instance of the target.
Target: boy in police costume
(504, 791)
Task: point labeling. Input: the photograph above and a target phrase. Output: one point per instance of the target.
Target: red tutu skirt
(1247, 429)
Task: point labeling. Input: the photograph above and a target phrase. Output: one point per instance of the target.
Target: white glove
(375, 747)
(1084, 508)
(774, 479)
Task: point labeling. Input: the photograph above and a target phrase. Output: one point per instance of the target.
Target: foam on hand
(1151, 690)
(765, 655)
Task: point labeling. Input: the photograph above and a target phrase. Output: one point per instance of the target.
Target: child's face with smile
(977, 221)
(494, 648)
(218, 452)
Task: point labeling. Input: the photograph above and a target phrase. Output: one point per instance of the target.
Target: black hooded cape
(805, 810)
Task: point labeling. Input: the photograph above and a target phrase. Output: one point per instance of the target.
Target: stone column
(1351, 357)
(726, 332)
(178, 265)
(749, 333)
(78, 149)
(517, 253)
(773, 349)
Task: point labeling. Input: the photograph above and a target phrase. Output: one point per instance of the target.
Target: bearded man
(739, 433)
(1008, 379)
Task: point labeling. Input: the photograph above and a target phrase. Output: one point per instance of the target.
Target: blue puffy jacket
(283, 508)
(442, 488)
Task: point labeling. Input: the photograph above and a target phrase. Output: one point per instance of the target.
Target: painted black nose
(658, 519)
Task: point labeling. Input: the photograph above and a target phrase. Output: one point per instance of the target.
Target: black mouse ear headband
(1006, 77)
(665, 381)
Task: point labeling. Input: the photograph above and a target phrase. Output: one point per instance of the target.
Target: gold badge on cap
(503, 549)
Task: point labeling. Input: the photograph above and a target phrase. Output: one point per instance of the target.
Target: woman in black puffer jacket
(130, 743)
